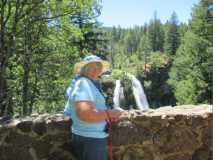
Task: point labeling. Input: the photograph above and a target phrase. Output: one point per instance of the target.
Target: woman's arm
(87, 112)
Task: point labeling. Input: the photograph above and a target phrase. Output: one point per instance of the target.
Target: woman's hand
(115, 119)
(115, 114)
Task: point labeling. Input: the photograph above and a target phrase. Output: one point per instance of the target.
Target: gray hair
(83, 71)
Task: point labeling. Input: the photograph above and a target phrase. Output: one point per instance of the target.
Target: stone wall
(179, 133)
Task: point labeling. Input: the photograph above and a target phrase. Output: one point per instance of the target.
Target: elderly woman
(86, 106)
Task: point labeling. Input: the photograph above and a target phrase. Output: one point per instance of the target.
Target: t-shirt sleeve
(83, 91)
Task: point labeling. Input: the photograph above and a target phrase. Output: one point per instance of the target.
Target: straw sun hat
(91, 59)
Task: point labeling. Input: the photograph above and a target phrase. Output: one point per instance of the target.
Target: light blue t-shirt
(85, 90)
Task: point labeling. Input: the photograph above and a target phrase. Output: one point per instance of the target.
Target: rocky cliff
(167, 133)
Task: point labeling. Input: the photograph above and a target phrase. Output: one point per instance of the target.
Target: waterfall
(138, 91)
(118, 95)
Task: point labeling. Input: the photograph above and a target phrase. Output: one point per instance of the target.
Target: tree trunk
(3, 91)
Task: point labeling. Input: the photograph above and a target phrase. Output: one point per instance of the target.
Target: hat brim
(78, 66)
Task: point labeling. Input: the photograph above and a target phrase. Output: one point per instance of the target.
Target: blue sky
(128, 13)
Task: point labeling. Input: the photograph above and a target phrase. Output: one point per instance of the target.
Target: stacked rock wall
(178, 133)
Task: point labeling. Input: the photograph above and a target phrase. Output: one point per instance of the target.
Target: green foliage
(188, 68)
(118, 74)
(189, 90)
(158, 60)
(192, 70)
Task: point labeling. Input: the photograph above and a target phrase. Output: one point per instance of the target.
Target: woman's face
(94, 70)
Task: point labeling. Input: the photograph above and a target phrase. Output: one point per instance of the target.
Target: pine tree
(191, 75)
(144, 48)
(172, 37)
(156, 34)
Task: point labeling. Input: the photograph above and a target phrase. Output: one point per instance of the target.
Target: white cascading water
(118, 95)
(138, 91)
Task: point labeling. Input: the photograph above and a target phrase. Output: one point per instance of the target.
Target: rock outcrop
(167, 133)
